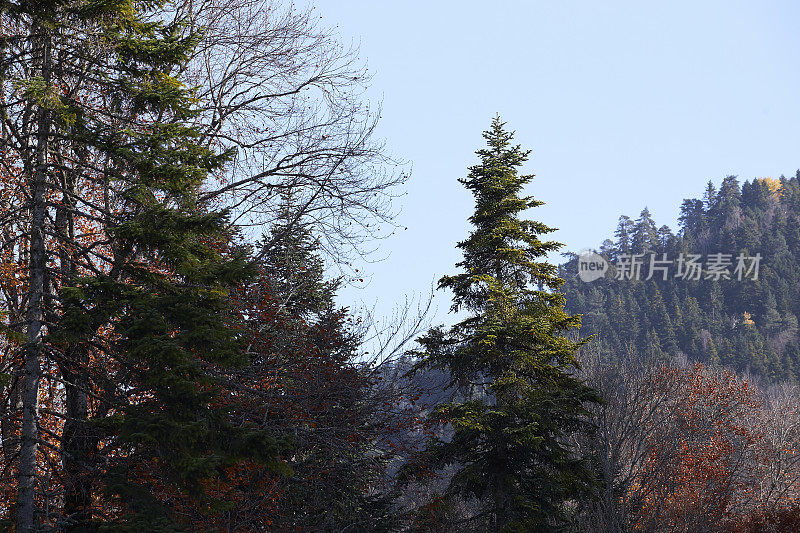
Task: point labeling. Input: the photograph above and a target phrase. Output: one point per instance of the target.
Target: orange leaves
(10, 274)
(703, 462)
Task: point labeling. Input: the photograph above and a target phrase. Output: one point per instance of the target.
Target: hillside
(735, 310)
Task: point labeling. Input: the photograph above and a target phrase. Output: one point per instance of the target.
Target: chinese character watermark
(690, 267)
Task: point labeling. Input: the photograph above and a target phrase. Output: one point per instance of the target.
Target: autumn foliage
(691, 448)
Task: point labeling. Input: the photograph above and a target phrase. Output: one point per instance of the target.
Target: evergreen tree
(511, 358)
(727, 213)
(624, 235)
(304, 343)
(645, 233)
(607, 248)
(158, 320)
(692, 218)
(661, 320)
(666, 239)
(710, 196)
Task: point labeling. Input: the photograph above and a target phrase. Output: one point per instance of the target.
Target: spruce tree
(511, 359)
(692, 218)
(311, 349)
(156, 321)
(624, 235)
(645, 233)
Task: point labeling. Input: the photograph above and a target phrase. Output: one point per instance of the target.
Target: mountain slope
(748, 323)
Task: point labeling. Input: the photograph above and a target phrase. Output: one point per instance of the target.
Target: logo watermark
(591, 266)
(691, 267)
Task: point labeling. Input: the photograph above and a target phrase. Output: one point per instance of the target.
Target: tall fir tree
(511, 359)
(324, 395)
(156, 322)
(645, 233)
(624, 234)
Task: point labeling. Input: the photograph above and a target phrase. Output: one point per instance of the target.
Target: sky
(623, 104)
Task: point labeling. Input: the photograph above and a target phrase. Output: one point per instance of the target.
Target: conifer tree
(693, 217)
(511, 358)
(156, 320)
(666, 239)
(645, 233)
(311, 350)
(624, 234)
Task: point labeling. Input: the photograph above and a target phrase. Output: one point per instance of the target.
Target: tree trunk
(77, 443)
(29, 441)
(9, 426)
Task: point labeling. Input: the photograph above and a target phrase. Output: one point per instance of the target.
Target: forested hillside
(742, 316)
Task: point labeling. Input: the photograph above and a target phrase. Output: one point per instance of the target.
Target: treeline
(741, 322)
(696, 364)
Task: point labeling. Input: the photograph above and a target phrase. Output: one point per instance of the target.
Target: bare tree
(683, 447)
(780, 422)
(631, 417)
(285, 98)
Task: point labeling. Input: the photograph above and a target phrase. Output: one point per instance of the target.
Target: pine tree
(692, 218)
(624, 235)
(727, 213)
(511, 358)
(157, 320)
(645, 233)
(661, 321)
(666, 239)
(306, 344)
(710, 196)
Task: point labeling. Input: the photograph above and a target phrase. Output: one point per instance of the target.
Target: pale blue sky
(624, 104)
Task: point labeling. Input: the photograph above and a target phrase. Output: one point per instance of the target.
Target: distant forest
(747, 324)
